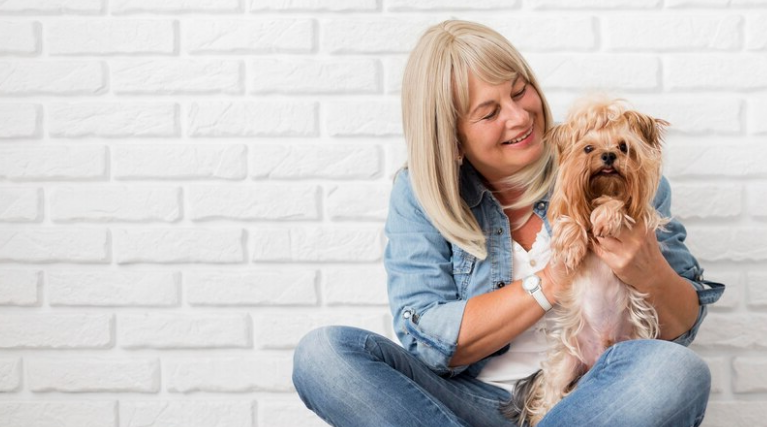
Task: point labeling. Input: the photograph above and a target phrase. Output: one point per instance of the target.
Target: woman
(466, 227)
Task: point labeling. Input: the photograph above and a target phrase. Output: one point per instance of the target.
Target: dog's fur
(610, 168)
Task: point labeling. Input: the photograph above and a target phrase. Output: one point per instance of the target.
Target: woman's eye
(491, 115)
(623, 147)
(520, 93)
(588, 149)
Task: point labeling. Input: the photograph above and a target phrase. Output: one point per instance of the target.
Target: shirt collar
(473, 189)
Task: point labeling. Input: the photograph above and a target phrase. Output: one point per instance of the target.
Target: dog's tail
(526, 391)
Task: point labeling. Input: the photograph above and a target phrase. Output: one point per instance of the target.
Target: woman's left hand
(633, 255)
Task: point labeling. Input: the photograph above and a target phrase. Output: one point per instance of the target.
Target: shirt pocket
(463, 266)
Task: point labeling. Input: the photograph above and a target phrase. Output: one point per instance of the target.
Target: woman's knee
(321, 351)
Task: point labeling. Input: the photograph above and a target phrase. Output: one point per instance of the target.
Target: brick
(284, 331)
(697, 3)
(606, 72)
(719, 367)
(166, 161)
(372, 35)
(52, 163)
(315, 76)
(728, 243)
(247, 36)
(715, 72)
(757, 111)
(84, 375)
(672, 33)
(113, 119)
(260, 371)
(317, 243)
(364, 118)
(178, 245)
(396, 156)
(10, 375)
(711, 200)
(354, 285)
(547, 33)
(357, 201)
(58, 414)
(318, 161)
(113, 288)
(449, 5)
(54, 245)
(735, 413)
(596, 4)
(176, 76)
(726, 157)
(757, 200)
(19, 38)
(248, 119)
(695, 115)
(750, 375)
(19, 287)
(20, 120)
(174, 331)
(733, 331)
(55, 331)
(394, 70)
(186, 414)
(110, 36)
(756, 31)
(174, 6)
(115, 203)
(52, 7)
(20, 204)
(314, 5)
(756, 289)
(282, 412)
(272, 287)
(254, 201)
(43, 77)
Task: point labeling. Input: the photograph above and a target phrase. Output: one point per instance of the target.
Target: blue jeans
(353, 377)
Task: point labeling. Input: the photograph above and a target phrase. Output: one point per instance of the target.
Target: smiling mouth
(521, 138)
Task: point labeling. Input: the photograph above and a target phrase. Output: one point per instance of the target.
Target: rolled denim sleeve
(423, 296)
(671, 239)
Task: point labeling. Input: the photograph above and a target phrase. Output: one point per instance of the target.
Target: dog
(609, 170)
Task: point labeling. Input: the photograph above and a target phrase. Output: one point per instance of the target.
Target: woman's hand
(633, 255)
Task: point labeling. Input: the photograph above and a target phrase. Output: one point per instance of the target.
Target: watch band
(532, 284)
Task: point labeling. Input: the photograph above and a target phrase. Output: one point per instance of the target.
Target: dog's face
(607, 151)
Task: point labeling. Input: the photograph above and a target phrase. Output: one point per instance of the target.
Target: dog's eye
(588, 149)
(623, 147)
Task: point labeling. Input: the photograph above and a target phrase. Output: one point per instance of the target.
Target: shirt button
(541, 205)
(499, 285)
(532, 263)
(499, 231)
(407, 314)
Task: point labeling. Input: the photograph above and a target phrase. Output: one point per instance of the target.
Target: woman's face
(503, 131)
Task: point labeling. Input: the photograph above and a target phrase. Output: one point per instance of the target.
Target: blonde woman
(469, 277)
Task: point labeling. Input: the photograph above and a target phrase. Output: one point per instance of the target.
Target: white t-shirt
(528, 350)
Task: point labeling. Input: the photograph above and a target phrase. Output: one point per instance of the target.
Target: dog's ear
(650, 128)
(561, 137)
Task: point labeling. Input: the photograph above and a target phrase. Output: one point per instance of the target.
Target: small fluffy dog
(610, 160)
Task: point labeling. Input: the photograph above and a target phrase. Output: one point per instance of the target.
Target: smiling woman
(470, 279)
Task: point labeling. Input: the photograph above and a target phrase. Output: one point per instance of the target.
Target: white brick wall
(189, 186)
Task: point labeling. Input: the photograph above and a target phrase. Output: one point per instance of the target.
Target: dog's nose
(608, 158)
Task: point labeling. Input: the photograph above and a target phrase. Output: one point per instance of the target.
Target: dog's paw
(573, 254)
(606, 221)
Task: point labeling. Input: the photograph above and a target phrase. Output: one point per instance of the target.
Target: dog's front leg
(569, 241)
(608, 217)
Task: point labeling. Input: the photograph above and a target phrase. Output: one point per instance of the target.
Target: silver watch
(532, 284)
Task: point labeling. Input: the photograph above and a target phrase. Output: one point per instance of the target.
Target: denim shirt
(431, 279)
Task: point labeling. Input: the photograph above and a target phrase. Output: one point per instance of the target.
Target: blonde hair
(435, 94)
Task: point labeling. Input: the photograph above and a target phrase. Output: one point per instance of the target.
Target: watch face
(530, 283)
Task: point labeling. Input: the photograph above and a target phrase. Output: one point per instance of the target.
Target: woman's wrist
(549, 285)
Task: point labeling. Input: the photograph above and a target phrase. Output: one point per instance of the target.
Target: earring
(459, 159)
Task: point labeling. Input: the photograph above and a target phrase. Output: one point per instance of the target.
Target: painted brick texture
(187, 187)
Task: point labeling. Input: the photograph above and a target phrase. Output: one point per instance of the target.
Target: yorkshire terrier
(610, 168)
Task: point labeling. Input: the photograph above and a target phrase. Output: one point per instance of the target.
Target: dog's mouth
(607, 172)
